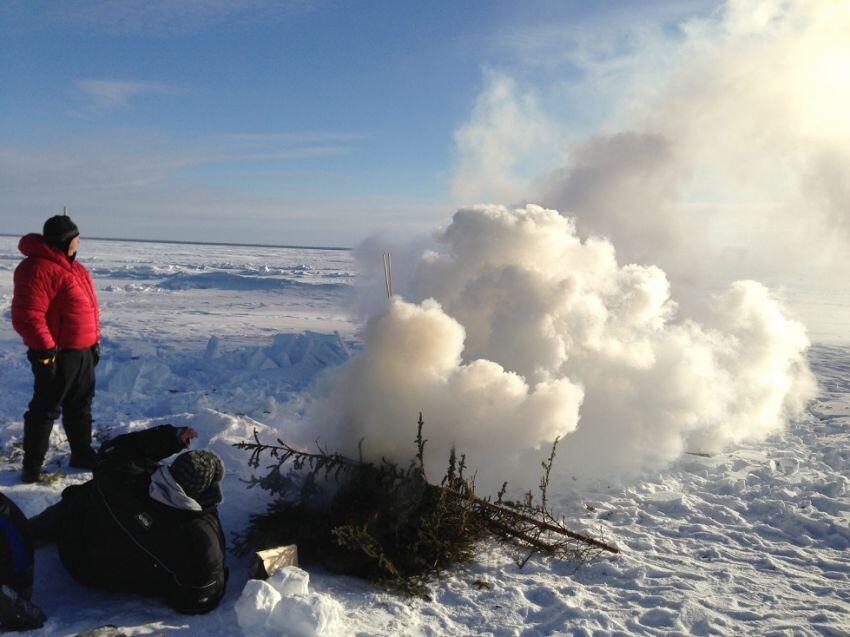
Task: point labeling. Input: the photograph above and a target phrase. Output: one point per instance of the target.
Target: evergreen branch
(420, 447)
(389, 472)
(390, 525)
(547, 469)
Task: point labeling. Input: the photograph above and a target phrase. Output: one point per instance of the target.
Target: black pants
(71, 390)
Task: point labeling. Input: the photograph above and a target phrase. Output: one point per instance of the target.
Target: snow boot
(83, 459)
(30, 475)
(39, 476)
(17, 613)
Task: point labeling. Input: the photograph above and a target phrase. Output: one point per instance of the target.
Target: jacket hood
(165, 489)
(33, 245)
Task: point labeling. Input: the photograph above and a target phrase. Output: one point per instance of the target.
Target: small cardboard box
(267, 563)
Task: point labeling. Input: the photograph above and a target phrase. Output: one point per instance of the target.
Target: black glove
(43, 360)
(95, 353)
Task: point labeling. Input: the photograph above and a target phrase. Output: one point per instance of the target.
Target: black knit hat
(59, 230)
(199, 473)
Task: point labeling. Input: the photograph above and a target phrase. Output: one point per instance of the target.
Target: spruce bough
(390, 525)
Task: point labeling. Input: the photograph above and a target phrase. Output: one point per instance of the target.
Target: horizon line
(205, 243)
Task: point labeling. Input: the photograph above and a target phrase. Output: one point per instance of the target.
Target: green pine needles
(390, 525)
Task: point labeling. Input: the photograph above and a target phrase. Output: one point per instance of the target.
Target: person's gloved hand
(43, 360)
(186, 434)
(95, 352)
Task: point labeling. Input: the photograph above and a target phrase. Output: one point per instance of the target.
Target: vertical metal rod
(386, 277)
(388, 274)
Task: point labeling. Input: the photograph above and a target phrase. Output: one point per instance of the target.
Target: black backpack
(16, 570)
(16, 548)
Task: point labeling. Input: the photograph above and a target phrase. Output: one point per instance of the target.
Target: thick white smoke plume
(516, 331)
(720, 146)
(709, 153)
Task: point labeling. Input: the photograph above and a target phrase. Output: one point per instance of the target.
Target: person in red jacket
(55, 310)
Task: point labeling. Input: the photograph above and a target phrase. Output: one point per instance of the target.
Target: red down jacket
(54, 304)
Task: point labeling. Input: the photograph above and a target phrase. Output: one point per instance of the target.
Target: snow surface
(228, 339)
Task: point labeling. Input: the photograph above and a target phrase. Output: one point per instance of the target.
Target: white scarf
(164, 488)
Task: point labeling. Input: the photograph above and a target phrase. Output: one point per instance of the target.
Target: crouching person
(144, 527)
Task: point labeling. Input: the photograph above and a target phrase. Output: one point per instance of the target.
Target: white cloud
(303, 137)
(108, 94)
(592, 36)
(147, 186)
(147, 157)
(151, 17)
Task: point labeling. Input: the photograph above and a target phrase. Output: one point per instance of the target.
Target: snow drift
(517, 331)
(242, 282)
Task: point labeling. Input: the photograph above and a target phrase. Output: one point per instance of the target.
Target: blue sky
(301, 122)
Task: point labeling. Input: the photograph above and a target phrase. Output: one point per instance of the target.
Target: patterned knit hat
(200, 474)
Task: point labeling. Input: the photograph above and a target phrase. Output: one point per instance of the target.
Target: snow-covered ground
(226, 339)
